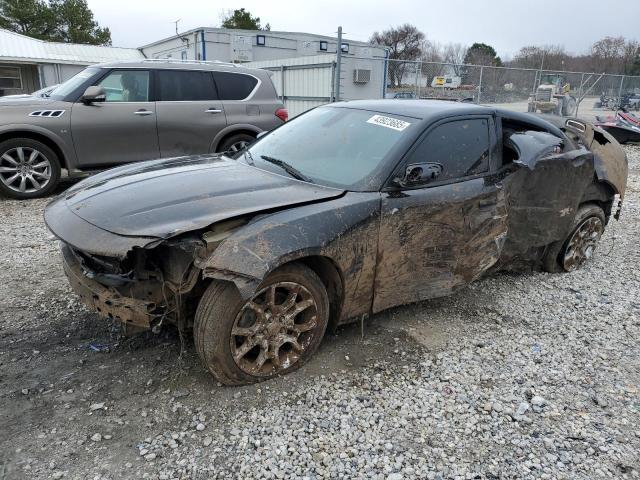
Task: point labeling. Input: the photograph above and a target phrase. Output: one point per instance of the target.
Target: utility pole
(338, 63)
(176, 23)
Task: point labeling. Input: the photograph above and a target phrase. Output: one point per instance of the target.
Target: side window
(126, 86)
(461, 147)
(234, 86)
(181, 86)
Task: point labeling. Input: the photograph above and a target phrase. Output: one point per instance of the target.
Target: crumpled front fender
(343, 230)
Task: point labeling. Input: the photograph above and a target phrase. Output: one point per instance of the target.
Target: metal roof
(20, 48)
(270, 33)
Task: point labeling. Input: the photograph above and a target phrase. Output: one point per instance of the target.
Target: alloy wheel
(273, 329)
(25, 169)
(236, 147)
(582, 243)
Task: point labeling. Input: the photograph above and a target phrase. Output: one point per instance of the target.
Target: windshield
(74, 82)
(336, 147)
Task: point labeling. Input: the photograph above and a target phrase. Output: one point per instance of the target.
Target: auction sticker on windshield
(389, 122)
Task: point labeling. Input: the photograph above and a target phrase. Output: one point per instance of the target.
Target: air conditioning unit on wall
(361, 75)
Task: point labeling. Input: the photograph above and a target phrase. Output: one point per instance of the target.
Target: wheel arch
(231, 130)
(599, 193)
(333, 281)
(323, 266)
(40, 137)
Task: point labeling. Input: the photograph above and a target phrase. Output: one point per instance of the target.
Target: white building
(239, 46)
(27, 64)
(303, 63)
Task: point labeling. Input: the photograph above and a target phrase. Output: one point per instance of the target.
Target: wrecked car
(347, 210)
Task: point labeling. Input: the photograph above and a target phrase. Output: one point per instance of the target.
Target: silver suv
(117, 113)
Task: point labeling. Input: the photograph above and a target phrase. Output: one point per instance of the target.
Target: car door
(189, 111)
(123, 127)
(448, 225)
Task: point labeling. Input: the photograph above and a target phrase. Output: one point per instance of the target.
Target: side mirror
(419, 173)
(261, 134)
(94, 94)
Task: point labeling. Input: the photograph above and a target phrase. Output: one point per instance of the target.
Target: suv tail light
(282, 114)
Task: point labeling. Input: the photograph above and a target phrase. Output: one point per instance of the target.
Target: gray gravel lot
(519, 376)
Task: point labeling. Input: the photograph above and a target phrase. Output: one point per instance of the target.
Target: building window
(261, 40)
(10, 78)
(324, 46)
(183, 55)
(345, 48)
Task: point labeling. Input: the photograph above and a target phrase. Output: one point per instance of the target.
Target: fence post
(282, 83)
(417, 96)
(581, 90)
(333, 82)
(338, 63)
(620, 92)
(480, 85)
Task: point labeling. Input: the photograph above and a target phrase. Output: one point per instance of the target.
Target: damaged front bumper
(106, 300)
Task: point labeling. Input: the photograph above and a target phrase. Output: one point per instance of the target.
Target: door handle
(213, 110)
(143, 113)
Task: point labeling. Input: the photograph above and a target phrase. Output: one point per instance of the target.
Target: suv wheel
(28, 168)
(272, 333)
(235, 143)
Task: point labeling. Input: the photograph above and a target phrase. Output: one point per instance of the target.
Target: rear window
(181, 86)
(234, 86)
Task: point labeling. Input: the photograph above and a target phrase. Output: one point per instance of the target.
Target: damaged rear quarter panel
(344, 230)
(544, 191)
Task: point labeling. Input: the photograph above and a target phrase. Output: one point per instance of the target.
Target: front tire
(28, 169)
(579, 246)
(272, 333)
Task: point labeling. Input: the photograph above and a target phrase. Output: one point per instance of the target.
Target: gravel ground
(518, 376)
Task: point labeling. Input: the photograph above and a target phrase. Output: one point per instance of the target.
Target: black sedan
(342, 212)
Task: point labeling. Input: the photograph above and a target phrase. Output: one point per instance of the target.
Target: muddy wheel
(272, 333)
(235, 143)
(571, 253)
(28, 168)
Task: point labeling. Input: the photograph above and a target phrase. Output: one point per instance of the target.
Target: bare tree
(549, 57)
(607, 54)
(454, 54)
(404, 43)
(431, 52)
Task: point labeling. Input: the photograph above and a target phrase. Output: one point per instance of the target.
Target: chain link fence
(511, 88)
(308, 81)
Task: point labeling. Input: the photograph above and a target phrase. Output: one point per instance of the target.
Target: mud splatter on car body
(142, 242)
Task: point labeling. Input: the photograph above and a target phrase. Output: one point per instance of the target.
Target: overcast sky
(506, 25)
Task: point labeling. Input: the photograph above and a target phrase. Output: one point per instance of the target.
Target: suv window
(180, 86)
(234, 86)
(126, 86)
(461, 146)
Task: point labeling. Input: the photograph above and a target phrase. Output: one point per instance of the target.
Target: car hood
(163, 198)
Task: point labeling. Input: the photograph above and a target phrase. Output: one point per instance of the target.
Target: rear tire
(28, 169)
(235, 143)
(580, 243)
(273, 333)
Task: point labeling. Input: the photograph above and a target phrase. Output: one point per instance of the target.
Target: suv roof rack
(197, 62)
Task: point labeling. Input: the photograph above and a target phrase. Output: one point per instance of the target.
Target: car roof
(433, 110)
(168, 64)
(420, 109)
